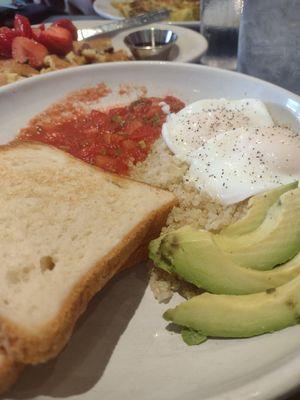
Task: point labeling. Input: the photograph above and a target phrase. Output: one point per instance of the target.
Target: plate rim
(281, 380)
(171, 64)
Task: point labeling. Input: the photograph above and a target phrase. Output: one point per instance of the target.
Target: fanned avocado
(257, 209)
(193, 255)
(274, 242)
(232, 316)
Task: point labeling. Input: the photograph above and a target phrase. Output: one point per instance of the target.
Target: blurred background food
(181, 10)
(27, 50)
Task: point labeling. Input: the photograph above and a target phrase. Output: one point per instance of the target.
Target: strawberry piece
(6, 37)
(27, 50)
(57, 40)
(36, 32)
(67, 24)
(22, 26)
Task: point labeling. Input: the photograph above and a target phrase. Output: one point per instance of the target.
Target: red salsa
(113, 140)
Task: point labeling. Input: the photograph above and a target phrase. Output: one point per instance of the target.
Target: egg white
(195, 124)
(237, 164)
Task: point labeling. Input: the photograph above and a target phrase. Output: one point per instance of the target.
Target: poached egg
(232, 147)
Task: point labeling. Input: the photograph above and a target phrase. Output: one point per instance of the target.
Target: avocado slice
(191, 337)
(158, 257)
(193, 255)
(257, 209)
(274, 242)
(231, 316)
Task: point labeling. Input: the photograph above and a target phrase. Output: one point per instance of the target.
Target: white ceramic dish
(190, 45)
(105, 10)
(121, 348)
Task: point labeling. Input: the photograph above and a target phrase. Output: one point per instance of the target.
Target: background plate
(190, 45)
(121, 348)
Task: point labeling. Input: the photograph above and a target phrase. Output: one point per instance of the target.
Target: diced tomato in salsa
(112, 140)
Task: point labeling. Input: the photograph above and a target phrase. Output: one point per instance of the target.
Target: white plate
(190, 45)
(105, 9)
(121, 348)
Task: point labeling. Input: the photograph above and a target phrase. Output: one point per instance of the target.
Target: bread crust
(141, 253)
(33, 348)
(9, 373)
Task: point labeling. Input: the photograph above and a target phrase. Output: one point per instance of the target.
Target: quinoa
(163, 285)
(164, 170)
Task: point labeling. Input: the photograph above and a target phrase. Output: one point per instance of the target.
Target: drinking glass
(220, 20)
(269, 42)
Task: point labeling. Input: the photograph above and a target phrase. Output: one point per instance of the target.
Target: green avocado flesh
(193, 255)
(274, 242)
(258, 207)
(252, 271)
(191, 337)
(231, 316)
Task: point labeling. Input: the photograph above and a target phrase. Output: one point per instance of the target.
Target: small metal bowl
(151, 44)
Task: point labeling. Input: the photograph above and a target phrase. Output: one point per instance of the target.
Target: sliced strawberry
(67, 24)
(6, 37)
(22, 26)
(27, 50)
(57, 40)
(36, 32)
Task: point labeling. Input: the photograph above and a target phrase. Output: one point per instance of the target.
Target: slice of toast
(66, 229)
(9, 371)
